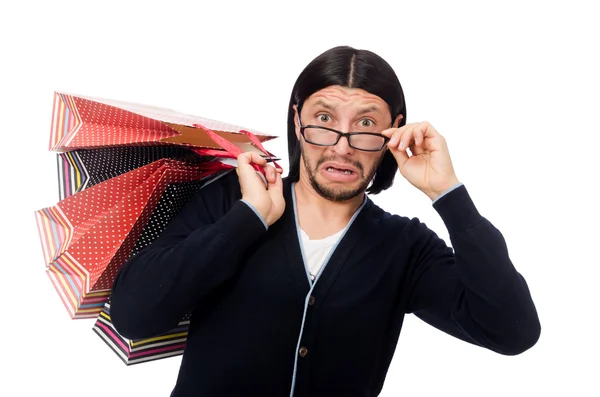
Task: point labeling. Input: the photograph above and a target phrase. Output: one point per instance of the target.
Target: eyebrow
(324, 104)
(367, 109)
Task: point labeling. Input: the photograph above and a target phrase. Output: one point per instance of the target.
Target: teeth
(331, 169)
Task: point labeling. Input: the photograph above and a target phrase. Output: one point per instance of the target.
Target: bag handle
(236, 151)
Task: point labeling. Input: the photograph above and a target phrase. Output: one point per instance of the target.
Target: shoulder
(407, 236)
(217, 195)
(225, 183)
(385, 219)
(409, 229)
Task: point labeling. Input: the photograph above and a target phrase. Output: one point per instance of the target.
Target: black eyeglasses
(325, 136)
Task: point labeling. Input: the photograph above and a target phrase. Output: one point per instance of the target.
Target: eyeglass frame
(341, 134)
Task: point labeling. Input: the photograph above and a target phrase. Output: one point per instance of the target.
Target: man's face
(341, 172)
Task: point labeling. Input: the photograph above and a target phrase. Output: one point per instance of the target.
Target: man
(301, 287)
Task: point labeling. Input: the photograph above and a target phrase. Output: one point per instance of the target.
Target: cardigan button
(311, 300)
(303, 351)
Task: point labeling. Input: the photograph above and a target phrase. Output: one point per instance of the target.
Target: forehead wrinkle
(330, 106)
(326, 105)
(369, 109)
(336, 99)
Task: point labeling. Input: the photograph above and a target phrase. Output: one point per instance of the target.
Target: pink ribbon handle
(258, 144)
(236, 151)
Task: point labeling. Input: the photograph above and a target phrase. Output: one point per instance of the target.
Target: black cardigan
(260, 327)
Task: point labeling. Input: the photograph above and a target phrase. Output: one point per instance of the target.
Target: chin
(338, 191)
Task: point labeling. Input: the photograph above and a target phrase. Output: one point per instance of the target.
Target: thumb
(275, 190)
(245, 161)
(400, 155)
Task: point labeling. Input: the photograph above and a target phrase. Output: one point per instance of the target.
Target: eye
(366, 123)
(323, 118)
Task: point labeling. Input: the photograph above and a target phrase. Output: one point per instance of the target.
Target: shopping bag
(82, 168)
(131, 352)
(86, 122)
(173, 342)
(87, 237)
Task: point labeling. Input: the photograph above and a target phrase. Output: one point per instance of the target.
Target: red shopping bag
(89, 235)
(85, 122)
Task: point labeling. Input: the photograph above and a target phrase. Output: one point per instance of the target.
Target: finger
(275, 188)
(401, 156)
(432, 139)
(390, 131)
(406, 139)
(394, 134)
(428, 130)
(415, 149)
(419, 134)
(250, 157)
(247, 173)
(395, 139)
(418, 144)
(270, 173)
(248, 161)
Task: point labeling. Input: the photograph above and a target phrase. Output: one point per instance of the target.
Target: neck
(315, 211)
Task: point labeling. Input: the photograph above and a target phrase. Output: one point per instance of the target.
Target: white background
(513, 86)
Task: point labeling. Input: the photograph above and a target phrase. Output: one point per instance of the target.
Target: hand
(429, 168)
(268, 200)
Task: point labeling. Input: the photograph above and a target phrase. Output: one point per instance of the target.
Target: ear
(296, 123)
(398, 120)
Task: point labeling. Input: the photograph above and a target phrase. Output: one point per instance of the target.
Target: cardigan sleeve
(473, 291)
(198, 251)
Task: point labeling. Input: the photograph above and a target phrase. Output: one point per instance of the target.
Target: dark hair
(354, 68)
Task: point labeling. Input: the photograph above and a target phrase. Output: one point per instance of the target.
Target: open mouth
(339, 170)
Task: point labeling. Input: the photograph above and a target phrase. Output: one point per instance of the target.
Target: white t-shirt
(316, 251)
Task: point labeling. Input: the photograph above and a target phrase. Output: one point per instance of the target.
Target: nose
(343, 146)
